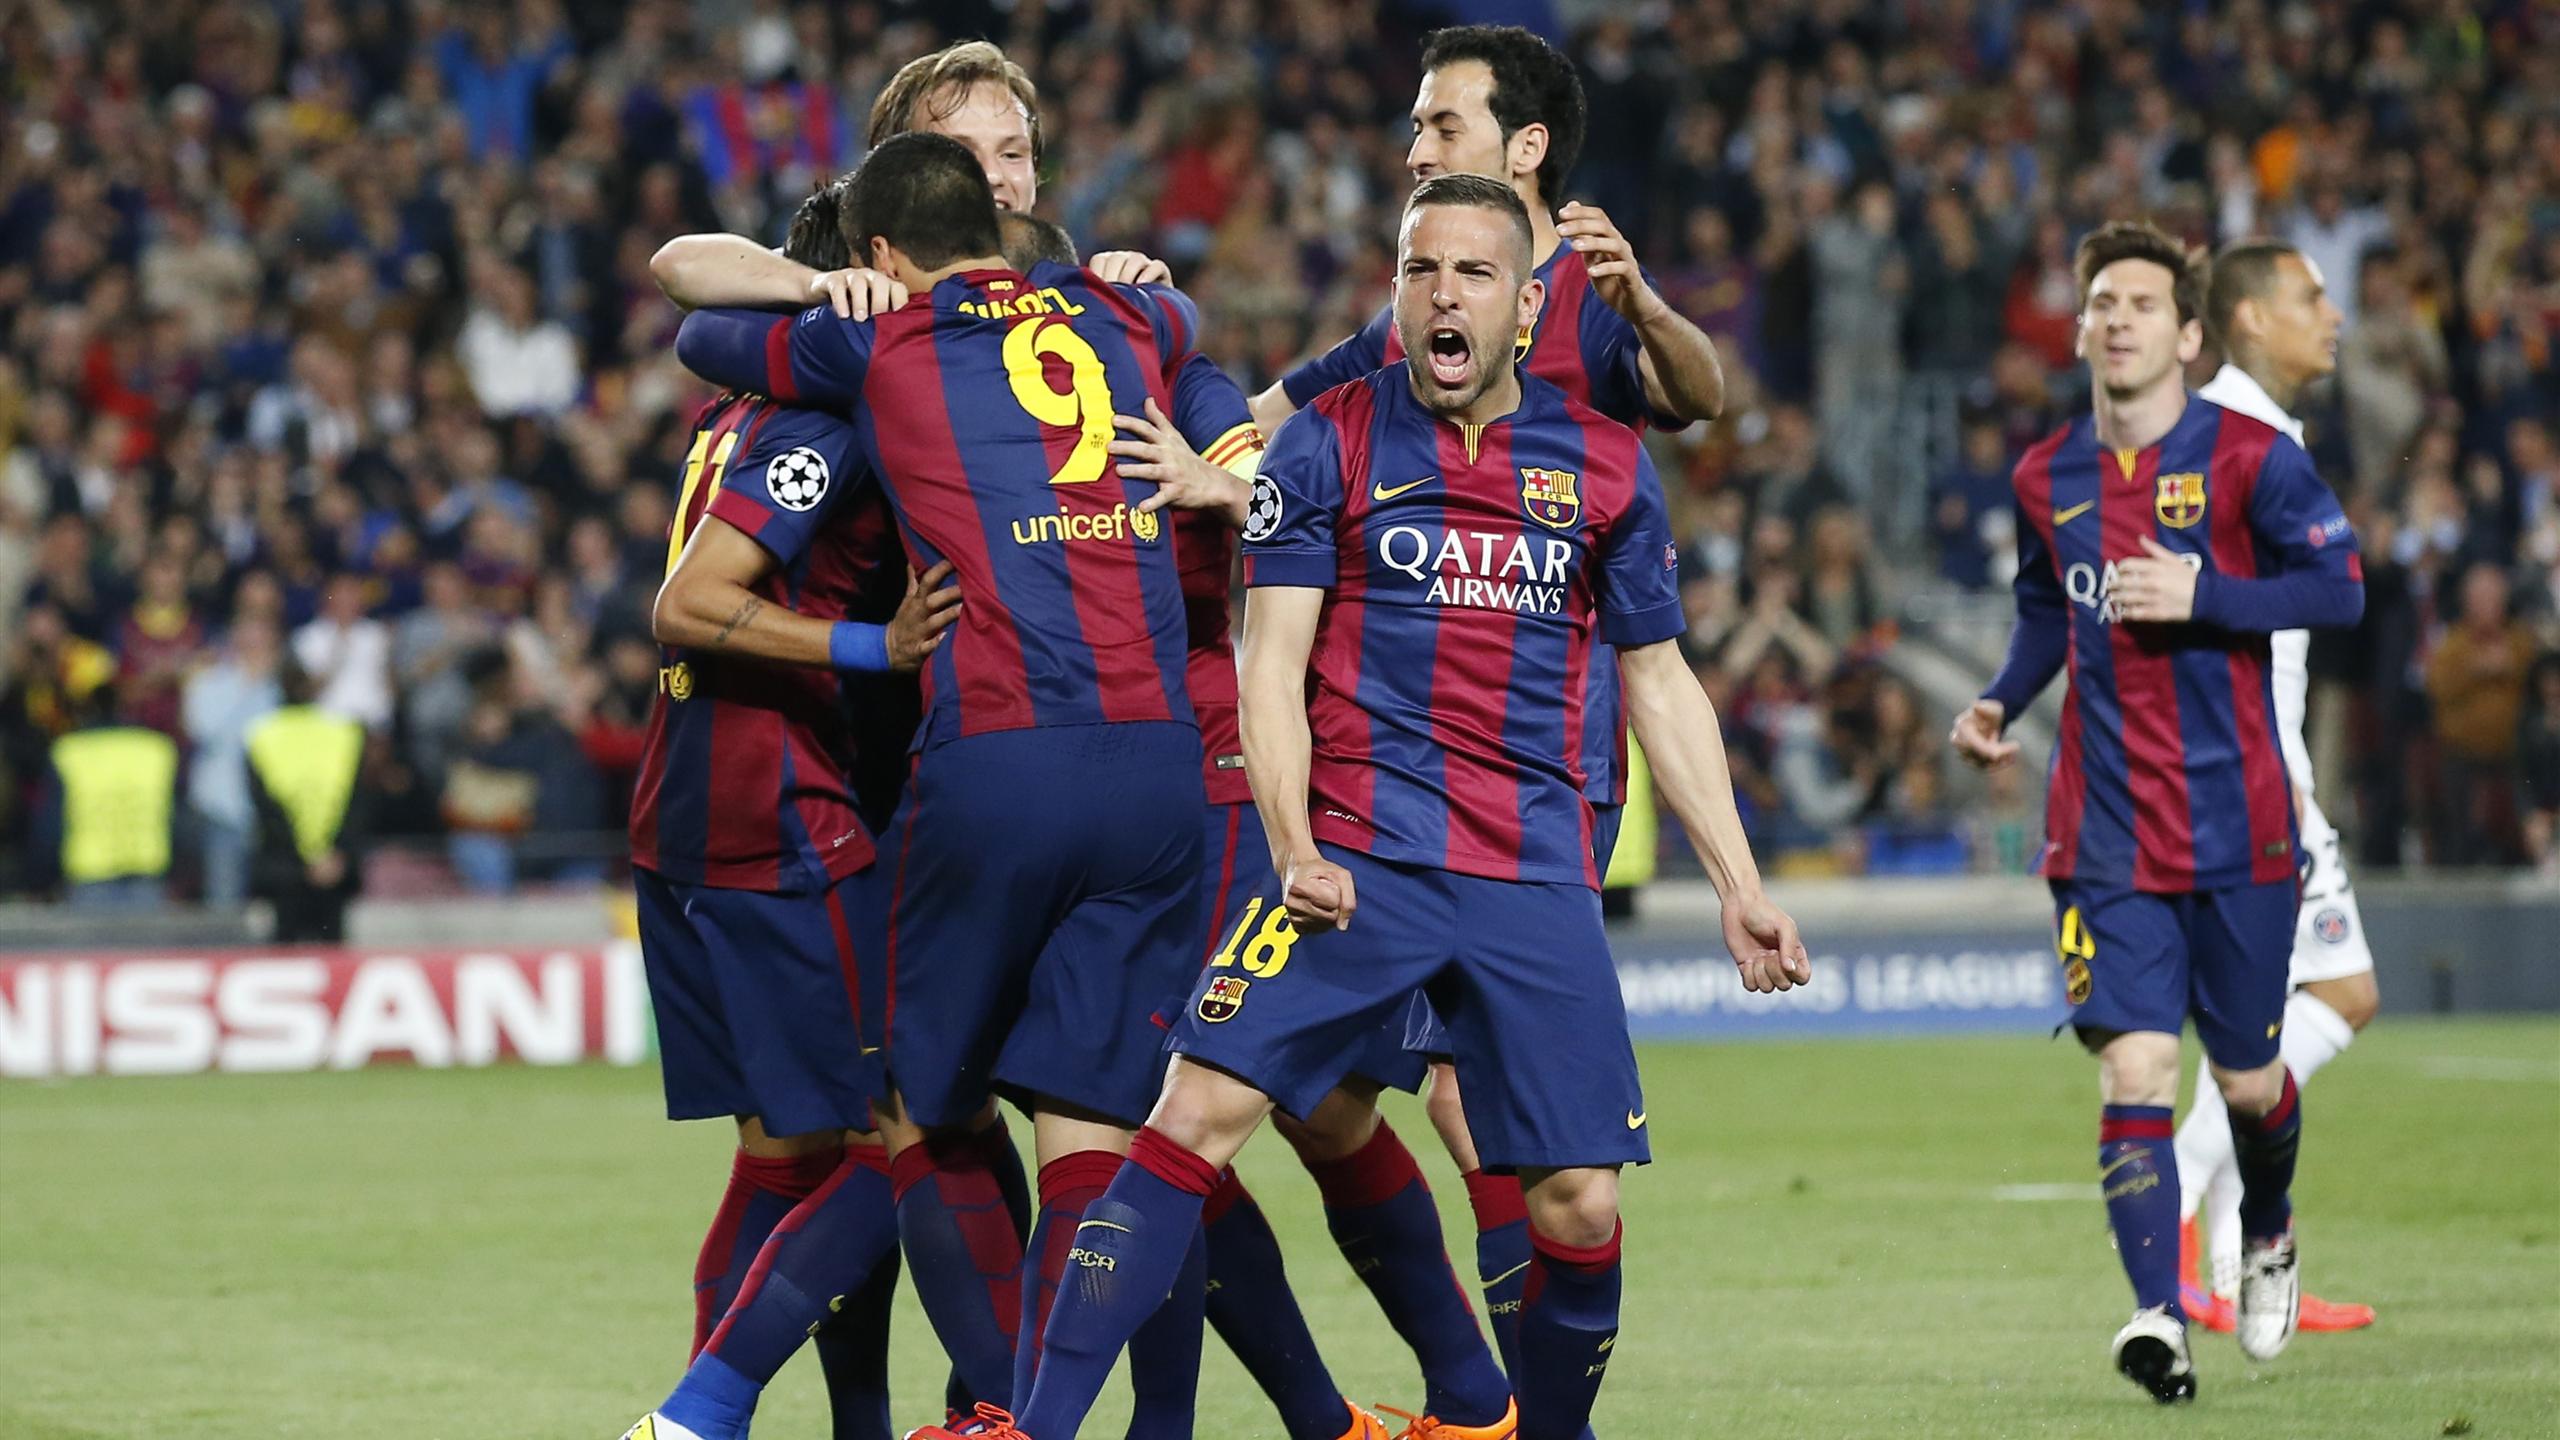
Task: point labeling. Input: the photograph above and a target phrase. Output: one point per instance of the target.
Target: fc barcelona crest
(1552, 497)
(2181, 499)
(1223, 998)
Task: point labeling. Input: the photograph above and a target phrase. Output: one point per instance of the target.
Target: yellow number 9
(1085, 408)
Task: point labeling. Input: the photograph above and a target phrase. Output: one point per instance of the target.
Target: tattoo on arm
(745, 613)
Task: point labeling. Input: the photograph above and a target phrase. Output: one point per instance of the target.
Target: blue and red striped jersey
(1469, 568)
(1580, 345)
(2166, 774)
(745, 772)
(985, 407)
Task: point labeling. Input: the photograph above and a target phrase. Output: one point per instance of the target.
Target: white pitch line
(2483, 1067)
(2034, 1193)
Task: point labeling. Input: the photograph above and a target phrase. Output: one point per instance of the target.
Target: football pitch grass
(1818, 1252)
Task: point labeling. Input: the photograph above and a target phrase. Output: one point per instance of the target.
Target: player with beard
(1496, 101)
(2161, 541)
(1441, 539)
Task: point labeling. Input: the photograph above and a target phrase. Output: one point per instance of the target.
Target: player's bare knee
(2137, 1067)
(1572, 1207)
(2355, 997)
(2251, 1092)
(1207, 1111)
(1335, 1129)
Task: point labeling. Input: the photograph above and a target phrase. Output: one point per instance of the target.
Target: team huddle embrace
(959, 793)
(1145, 883)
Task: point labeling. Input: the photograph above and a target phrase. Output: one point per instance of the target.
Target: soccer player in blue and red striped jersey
(2162, 540)
(1427, 537)
(763, 925)
(987, 407)
(1500, 101)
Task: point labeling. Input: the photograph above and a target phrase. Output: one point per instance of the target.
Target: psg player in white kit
(2269, 308)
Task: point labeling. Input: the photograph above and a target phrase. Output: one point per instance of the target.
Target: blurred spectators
(327, 328)
(241, 686)
(2476, 677)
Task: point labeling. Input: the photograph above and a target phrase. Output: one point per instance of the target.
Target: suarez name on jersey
(745, 771)
(1468, 569)
(2166, 770)
(1582, 346)
(985, 408)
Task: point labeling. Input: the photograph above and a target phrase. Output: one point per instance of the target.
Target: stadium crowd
(328, 344)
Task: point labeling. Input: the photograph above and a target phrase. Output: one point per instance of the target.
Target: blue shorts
(768, 1005)
(2132, 960)
(1046, 904)
(1520, 973)
(1422, 1033)
(1236, 862)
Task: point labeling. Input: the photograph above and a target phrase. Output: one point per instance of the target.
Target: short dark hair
(2244, 270)
(1028, 240)
(2141, 240)
(958, 69)
(1533, 84)
(925, 194)
(816, 237)
(1482, 192)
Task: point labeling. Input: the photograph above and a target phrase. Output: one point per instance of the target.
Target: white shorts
(2328, 941)
(2328, 935)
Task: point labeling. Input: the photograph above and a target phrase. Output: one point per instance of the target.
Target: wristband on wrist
(853, 645)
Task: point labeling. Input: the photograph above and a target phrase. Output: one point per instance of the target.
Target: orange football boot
(1364, 1426)
(990, 1423)
(2217, 1314)
(2329, 1315)
(1432, 1427)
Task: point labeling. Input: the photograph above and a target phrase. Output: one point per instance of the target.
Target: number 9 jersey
(986, 408)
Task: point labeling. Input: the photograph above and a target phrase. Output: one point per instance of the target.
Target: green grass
(507, 1253)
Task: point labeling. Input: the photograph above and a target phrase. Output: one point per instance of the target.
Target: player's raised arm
(813, 358)
(814, 266)
(700, 272)
(1676, 362)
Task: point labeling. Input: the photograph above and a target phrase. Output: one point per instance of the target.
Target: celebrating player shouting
(1440, 539)
(2162, 540)
(1495, 101)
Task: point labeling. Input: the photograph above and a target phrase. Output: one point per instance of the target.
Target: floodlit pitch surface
(1820, 1254)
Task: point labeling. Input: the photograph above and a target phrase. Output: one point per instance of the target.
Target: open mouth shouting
(1452, 356)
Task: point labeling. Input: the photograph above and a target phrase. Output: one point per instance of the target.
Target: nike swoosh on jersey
(1635, 1119)
(2065, 517)
(1378, 491)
